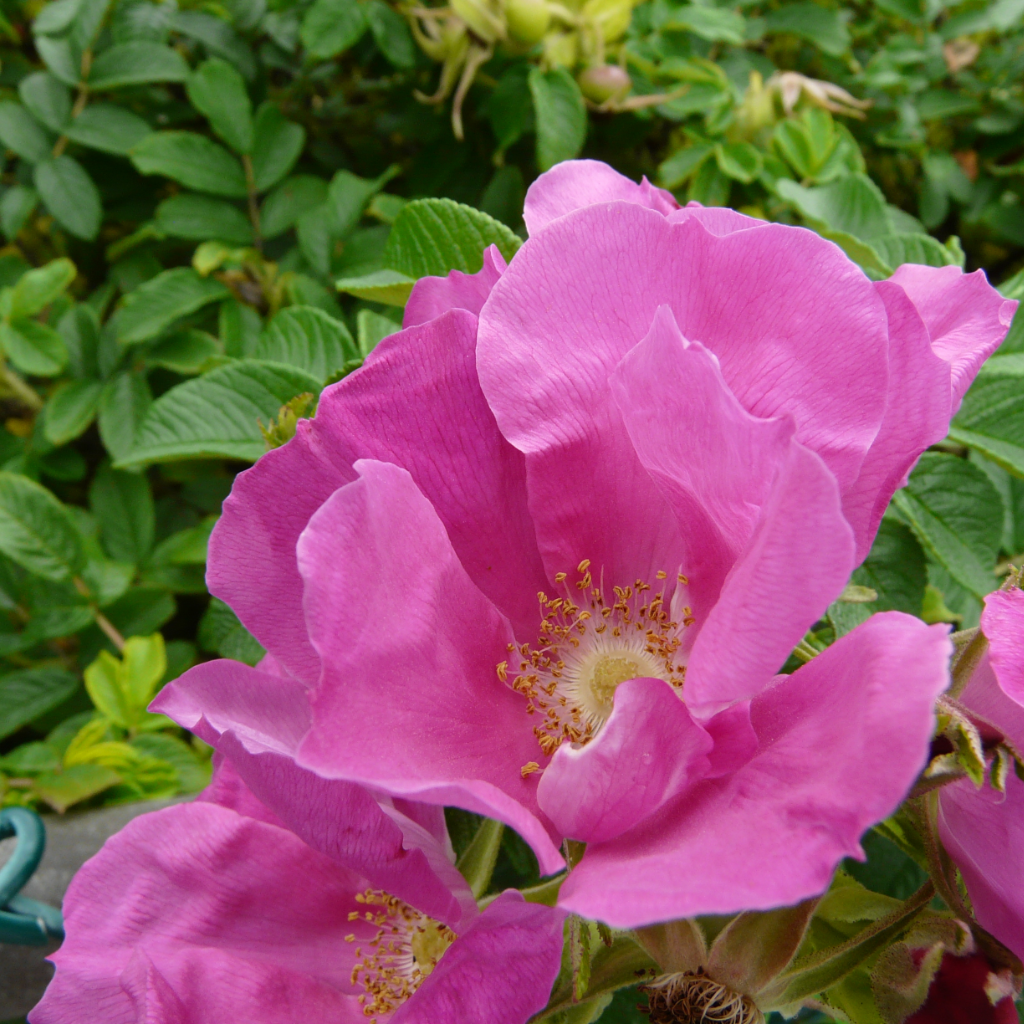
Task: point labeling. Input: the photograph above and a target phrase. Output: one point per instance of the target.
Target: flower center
(586, 649)
(697, 999)
(404, 950)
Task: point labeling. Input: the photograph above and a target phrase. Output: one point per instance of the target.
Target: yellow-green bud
(603, 83)
(528, 20)
(612, 16)
(561, 49)
(482, 17)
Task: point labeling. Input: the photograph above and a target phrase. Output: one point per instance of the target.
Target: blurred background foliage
(210, 210)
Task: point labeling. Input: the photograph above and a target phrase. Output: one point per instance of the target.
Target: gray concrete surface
(70, 841)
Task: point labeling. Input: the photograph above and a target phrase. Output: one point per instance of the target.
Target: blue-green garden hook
(23, 921)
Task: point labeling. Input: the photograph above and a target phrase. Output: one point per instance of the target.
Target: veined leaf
(309, 339)
(21, 133)
(70, 195)
(27, 694)
(157, 303)
(108, 128)
(277, 144)
(36, 530)
(34, 348)
(71, 409)
(136, 63)
(991, 418)
(193, 160)
(47, 98)
(388, 287)
(203, 217)
(217, 91)
(561, 116)
(123, 505)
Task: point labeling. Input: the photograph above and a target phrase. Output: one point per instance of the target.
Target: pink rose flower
(679, 428)
(982, 829)
(215, 911)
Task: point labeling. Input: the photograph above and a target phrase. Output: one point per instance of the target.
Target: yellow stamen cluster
(587, 646)
(404, 950)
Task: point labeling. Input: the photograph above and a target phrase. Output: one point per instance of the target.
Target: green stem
(80, 100)
(254, 206)
(102, 621)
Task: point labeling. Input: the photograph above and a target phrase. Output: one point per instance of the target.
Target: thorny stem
(80, 100)
(254, 209)
(17, 386)
(101, 620)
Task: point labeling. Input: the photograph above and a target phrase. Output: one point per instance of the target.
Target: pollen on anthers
(404, 950)
(588, 644)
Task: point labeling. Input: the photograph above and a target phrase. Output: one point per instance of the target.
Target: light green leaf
(739, 160)
(124, 403)
(123, 505)
(898, 249)
(391, 34)
(309, 339)
(388, 287)
(136, 63)
(991, 418)
(860, 252)
(80, 330)
(716, 24)
(818, 25)
(16, 207)
(294, 197)
(158, 302)
(561, 116)
(27, 694)
(434, 236)
(186, 547)
(22, 134)
(331, 26)
(373, 328)
(71, 409)
(105, 686)
(36, 289)
(239, 327)
(852, 204)
(47, 99)
(33, 347)
(63, 789)
(277, 144)
(70, 195)
(218, 415)
(203, 217)
(185, 352)
(108, 128)
(36, 530)
(348, 195)
(674, 171)
(218, 92)
(145, 661)
(193, 160)
(957, 515)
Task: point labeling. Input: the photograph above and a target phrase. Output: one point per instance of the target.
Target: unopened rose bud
(610, 16)
(603, 83)
(482, 17)
(528, 20)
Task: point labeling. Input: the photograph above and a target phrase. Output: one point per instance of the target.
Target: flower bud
(610, 16)
(603, 83)
(482, 17)
(528, 20)
(561, 49)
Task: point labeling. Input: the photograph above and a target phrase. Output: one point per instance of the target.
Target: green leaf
(388, 287)
(33, 347)
(331, 26)
(853, 204)
(479, 858)
(53, 18)
(145, 661)
(108, 128)
(71, 409)
(898, 249)
(372, 328)
(991, 419)
(308, 339)
(22, 134)
(124, 403)
(142, 611)
(193, 160)
(218, 37)
(73, 785)
(186, 547)
(391, 34)
(434, 236)
(123, 505)
(80, 330)
(818, 25)
(70, 195)
(561, 116)
(218, 415)
(16, 207)
(716, 24)
(277, 144)
(239, 327)
(104, 684)
(36, 289)
(894, 569)
(136, 63)
(185, 352)
(60, 58)
(956, 514)
(203, 217)
(218, 92)
(348, 195)
(27, 694)
(739, 160)
(47, 99)
(158, 302)
(36, 530)
(674, 171)
(221, 633)
(294, 197)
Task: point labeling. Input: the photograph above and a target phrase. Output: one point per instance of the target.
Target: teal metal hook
(23, 921)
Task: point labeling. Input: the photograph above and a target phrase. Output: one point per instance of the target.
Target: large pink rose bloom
(543, 556)
(214, 911)
(982, 829)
